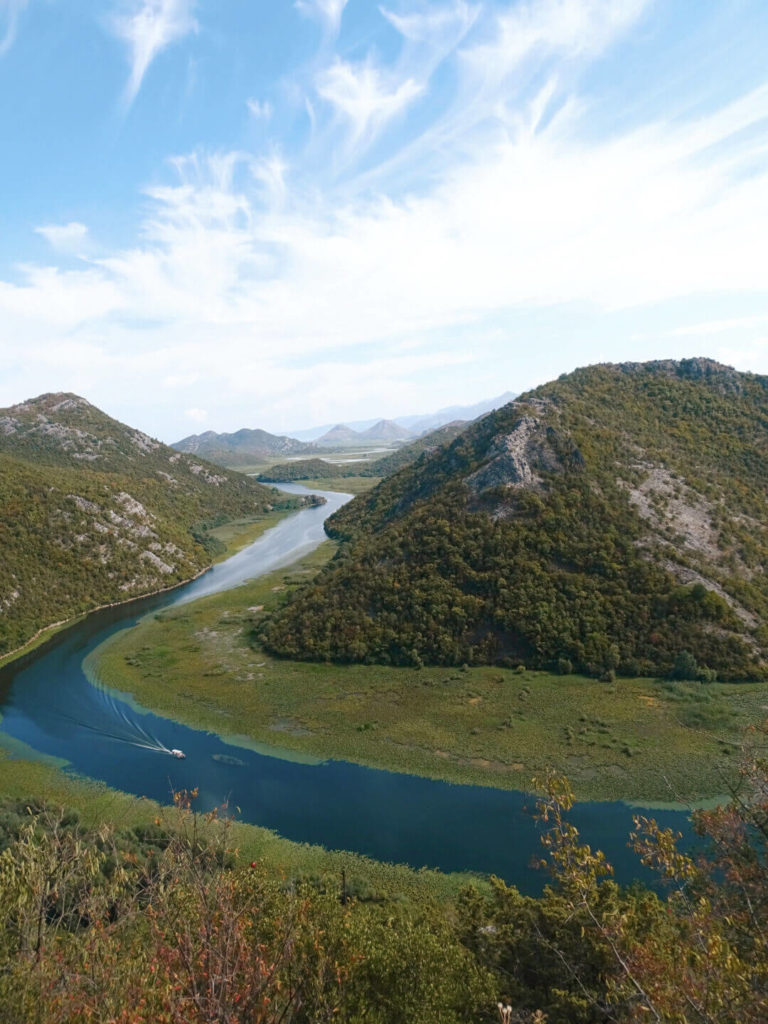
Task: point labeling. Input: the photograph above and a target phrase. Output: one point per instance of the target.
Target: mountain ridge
(94, 512)
(242, 446)
(609, 520)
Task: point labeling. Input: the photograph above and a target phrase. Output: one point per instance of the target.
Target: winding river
(50, 711)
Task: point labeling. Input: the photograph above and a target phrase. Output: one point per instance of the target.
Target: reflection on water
(47, 702)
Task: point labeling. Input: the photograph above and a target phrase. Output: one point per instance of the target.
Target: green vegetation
(345, 484)
(612, 519)
(93, 512)
(636, 739)
(241, 448)
(96, 805)
(166, 921)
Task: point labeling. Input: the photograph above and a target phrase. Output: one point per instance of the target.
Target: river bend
(50, 710)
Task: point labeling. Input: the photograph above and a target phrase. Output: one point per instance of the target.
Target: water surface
(50, 709)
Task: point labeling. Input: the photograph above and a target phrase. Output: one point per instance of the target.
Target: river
(50, 710)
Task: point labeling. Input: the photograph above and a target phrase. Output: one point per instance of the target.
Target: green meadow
(642, 740)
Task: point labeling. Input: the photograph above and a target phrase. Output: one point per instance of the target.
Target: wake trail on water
(122, 727)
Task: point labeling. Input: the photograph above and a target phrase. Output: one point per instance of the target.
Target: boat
(178, 753)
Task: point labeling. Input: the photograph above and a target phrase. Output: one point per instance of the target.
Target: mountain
(431, 421)
(339, 435)
(420, 423)
(612, 520)
(93, 511)
(241, 448)
(386, 430)
(318, 469)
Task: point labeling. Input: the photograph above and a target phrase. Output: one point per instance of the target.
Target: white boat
(178, 753)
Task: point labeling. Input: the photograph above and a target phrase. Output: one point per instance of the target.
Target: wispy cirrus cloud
(277, 278)
(72, 237)
(329, 12)
(535, 221)
(10, 11)
(542, 27)
(365, 95)
(260, 108)
(437, 21)
(148, 27)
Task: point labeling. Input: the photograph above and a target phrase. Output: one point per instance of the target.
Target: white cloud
(9, 18)
(327, 11)
(251, 286)
(568, 27)
(148, 27)
(709, 327)
(363, 94)
(70, 237)
(196, 415)
(435, 22)
(260, 108)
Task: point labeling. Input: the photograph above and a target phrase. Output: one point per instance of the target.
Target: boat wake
(119, 725)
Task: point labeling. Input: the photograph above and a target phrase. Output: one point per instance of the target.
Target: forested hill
(613, 520)
(242, 448)
(93, 511)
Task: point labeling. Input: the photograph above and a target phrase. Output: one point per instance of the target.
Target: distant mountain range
(384, 430)
(320, 469)
(244, 447)
(415, 424)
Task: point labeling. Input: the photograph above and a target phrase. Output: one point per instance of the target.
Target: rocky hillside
(242, 448)
(613, 520)
(93, 511)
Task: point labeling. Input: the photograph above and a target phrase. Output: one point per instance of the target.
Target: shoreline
(40, 637)
(56, 627)
(495, 729)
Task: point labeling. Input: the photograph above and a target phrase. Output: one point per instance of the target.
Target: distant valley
(249, 447)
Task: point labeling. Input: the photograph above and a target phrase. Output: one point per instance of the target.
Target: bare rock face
(520, 457)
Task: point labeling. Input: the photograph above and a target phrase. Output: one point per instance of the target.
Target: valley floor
(640, 740)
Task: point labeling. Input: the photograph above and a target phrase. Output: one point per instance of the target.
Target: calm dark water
(47, 702)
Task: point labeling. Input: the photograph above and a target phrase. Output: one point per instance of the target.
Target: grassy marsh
(641, 740)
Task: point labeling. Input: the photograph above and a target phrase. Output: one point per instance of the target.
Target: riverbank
(235, 535)
(97, 804)
(639, 740)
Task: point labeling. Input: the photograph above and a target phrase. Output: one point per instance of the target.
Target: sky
(265, 213)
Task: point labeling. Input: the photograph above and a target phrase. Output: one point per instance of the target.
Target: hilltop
(612, 520)
(241, 448)
(93, 511)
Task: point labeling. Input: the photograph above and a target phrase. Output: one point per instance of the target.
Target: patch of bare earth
(670, 507)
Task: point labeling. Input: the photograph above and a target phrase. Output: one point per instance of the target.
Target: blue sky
(265, 213)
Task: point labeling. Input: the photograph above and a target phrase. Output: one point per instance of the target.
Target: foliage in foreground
(169, 927)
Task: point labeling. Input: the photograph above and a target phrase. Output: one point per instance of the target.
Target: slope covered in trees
(241, 448)
(92, 511)
(612, 520)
